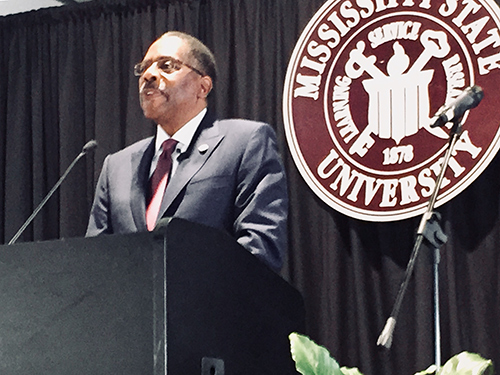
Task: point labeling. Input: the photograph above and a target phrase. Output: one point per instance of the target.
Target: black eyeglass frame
(176, 65)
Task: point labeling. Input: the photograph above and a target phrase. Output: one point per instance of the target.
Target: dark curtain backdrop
(66, 78)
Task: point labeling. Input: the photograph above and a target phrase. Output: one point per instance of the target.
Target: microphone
(468, 99)
(89, 146)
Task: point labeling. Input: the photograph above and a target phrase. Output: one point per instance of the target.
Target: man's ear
(205, 86)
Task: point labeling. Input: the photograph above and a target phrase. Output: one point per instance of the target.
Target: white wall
(19, 6)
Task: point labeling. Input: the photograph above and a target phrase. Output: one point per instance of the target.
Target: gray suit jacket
(236, 184)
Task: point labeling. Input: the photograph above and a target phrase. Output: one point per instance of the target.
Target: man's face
(170, 96)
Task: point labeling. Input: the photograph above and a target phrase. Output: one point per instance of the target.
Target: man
(225, 174)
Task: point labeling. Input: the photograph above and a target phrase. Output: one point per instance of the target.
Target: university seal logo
(364, 81)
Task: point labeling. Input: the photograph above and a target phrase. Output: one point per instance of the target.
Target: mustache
(153, 85)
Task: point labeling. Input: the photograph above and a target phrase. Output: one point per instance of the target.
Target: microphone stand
(89, 146)
(429, 229)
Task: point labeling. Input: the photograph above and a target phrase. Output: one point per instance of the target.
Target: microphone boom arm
(435, 237)
(91, 145)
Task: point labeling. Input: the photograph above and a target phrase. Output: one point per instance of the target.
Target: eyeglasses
(167, 64)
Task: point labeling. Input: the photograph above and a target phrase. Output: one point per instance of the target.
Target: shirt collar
(183, 136)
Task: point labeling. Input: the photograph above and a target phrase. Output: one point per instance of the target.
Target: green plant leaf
(464, 363)
(429, 371)
(350, 371)
(311, 358)
(467, 363)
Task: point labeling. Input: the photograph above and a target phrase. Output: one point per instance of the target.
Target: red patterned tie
(159, 181)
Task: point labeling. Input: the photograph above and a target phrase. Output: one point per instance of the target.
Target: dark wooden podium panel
(145, 303)
(77, 306)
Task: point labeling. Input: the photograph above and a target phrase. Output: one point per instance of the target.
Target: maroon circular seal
(362, 89)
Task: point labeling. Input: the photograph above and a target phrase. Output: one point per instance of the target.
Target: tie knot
(169, 146)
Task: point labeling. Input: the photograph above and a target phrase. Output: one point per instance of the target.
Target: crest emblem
(363, 83)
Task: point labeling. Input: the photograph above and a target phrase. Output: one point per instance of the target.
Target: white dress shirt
(183, 136)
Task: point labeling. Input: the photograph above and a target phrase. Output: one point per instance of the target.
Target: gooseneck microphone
(468, 99)
(89, 147)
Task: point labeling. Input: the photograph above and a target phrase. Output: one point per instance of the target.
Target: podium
(183, 300)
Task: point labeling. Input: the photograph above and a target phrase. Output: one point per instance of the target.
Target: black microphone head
(477, 95)
(469, 99)
(89, 146)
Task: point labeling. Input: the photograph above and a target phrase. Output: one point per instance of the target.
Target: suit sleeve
(99, 221)
(261, 206)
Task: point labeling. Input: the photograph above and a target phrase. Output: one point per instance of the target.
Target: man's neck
(177, 123)
(171, 129)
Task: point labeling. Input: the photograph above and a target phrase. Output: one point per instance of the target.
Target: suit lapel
(141, 162)
(203, 144)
